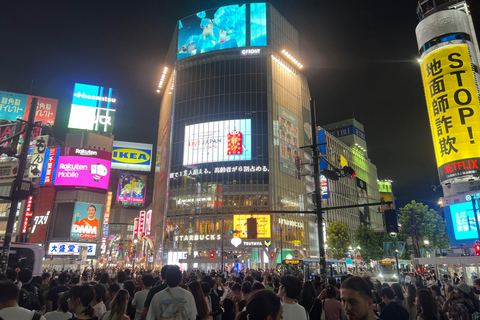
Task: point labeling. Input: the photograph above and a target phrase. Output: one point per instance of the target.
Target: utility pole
(475, 214)
(17, 184)
(394, 235)
(223, 236)
(318, 194)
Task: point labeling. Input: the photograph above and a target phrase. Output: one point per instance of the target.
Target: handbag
(176, 306)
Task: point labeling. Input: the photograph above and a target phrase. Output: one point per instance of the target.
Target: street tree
(338, 239)
(371, 244)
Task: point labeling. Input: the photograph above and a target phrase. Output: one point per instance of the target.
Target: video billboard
(258, 24)
(83, 168)
(132, 156)
(93, 108)
(85, 221)
(290, 161)
(464, 221)
(214, 29)
(229, 140)
(453, 109)
(263, 225)
(131, 188)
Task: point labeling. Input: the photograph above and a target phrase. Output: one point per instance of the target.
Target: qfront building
(234, 116)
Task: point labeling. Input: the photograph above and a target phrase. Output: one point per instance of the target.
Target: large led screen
(131, 188)
(218, 141)
(464, 222)
(85, 221)
(263, 225)
(83, 168)
(258, 24)
(214, 29)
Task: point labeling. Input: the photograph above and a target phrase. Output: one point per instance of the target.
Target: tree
(338, 239)
(371, 244)
(421, 222)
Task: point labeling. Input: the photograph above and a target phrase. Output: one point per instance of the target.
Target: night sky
(360, 59)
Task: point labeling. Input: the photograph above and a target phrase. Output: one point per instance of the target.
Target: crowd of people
(253, 295)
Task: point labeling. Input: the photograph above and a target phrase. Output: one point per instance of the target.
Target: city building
(449, 64)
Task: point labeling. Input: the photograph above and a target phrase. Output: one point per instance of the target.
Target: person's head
(173, 276)
(435, 290)
(411, 294)
(269, 279)
(147, 281)
(8, 294)
(104, 278)
(332, 281)
(62, 301)
(119, 304)
(317, 285)
(80, 300)
(209, 280)
(121, 277)
(249, 279)
(75, 281)
(112, 290)
(462, 291)
(205, 288)
(476, 283)
(246, 287)
(196, 289)
(397, 289)
(228, 305)
(308, 291)
(25, 275)
(388, 295)
(455, 275)
(427, 303)
(100, 292)
(163, 271)
(46, 277)
(62, 278)
(91, 212)
(236, 288)
(129, 285)
(262, 305)
(257, 286)
(356, 298)
(290, 287)
(330, 291)
(11, 275)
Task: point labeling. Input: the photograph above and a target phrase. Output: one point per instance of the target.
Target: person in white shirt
(9, 308)
(97, 303)
(62, 313)
(140, 297)
(174, 302)
(290, 289)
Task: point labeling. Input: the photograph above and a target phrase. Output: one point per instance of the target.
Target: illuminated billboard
(453, 109)
(464, 222)
(46, 110)
(132, 156)
(263, 225)
(83, 168)
(258, 24)
(131, 188)
(12, 105)
(85, 221)
(290, 161)
(229, 140)
(93, 108)
(70, 248)
(214, 29)
(50, 165)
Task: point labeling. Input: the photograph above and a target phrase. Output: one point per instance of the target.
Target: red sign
(28, 214)
(46, 109)
(41, 217)
(135, 227)
(141, 224)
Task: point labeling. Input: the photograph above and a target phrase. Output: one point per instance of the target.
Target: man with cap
(460, 305)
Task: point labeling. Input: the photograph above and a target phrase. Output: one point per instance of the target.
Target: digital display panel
(217, 141)
(83, 168)
(263, 225)
(214, 29)
(464, 222)
(258, 24)
(85, 221)
(131, 188)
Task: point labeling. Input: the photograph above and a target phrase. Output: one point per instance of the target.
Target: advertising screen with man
(85, 221)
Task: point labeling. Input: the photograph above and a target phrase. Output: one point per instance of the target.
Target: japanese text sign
(38, 157)
(46, 110)
(49, 171)
(464, 222)
(453, 109)
(12, 105)
(135, 227)
(263, 225)
(70, 248)
(141, 224)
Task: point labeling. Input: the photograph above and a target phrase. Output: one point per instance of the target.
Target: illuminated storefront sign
(229, 140)
(453, 109)
(106, 220)
(347, 131)
(131, 188)
(50, 165)
(38, 157)
(70, 248)
(46, 110)
(28, 214)
(148, 222)
(135, 226)
(263, 225)
(292, 261)
(196, 172)
(12, 105)
(290, 223)
(250, 51)
(40, 220)
(141, 224)
(132, 156)
(197, 237)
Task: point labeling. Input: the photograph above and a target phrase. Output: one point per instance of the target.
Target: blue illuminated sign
(463, 221)
(258, 24)
(94, 96)
(12, 105)
(347, 131)
(211, 30)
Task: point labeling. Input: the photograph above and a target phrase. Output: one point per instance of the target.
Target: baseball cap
(463, 287)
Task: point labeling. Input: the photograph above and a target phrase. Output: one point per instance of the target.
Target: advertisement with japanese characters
(131, 188)
(453, 109)
(229, 140)
(46, 110)
(70, 248)
(12, 105)
(290, 161)
(264, 229)
(85, 221)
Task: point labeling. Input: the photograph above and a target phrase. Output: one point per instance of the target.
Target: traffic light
(477, 248)
(212, 255)
(271, 256)
(348, 172)
(330, 174)
(51, 257)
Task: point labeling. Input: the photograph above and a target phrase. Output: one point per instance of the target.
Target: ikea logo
(131, 156)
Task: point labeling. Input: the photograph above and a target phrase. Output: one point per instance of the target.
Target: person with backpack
(462, 305)
(9, 308)
(52, 296)
(30, 296)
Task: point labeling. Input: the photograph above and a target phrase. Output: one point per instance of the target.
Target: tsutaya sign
(290, 223)
(196, 237)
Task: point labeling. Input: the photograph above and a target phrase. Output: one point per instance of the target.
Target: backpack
(29, 300)
(475, 315)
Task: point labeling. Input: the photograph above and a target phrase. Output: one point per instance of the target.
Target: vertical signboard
(106, 220)
(28, 214)
(141, 224)
(323, 164)
(50, 163)
(258, 24)
(453, 109)
(362, 196)
(290, 161)
(42, 213)
(148, 222)
(38, 157)
(85, 221)
(135, 227)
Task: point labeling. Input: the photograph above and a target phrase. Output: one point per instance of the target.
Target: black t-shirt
(153, 291)
(53, 295)
(394, 311)
(23, 299)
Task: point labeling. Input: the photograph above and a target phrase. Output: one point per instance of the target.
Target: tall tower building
(234, 114)
(449, 63)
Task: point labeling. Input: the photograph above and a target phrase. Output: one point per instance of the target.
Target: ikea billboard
(132, 156)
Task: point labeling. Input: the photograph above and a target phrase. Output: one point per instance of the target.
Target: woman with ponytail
(80, 301)
(118, 307)
(262, 305)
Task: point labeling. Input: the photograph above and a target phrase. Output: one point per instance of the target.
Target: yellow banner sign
(453, 109)
(263, 225)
